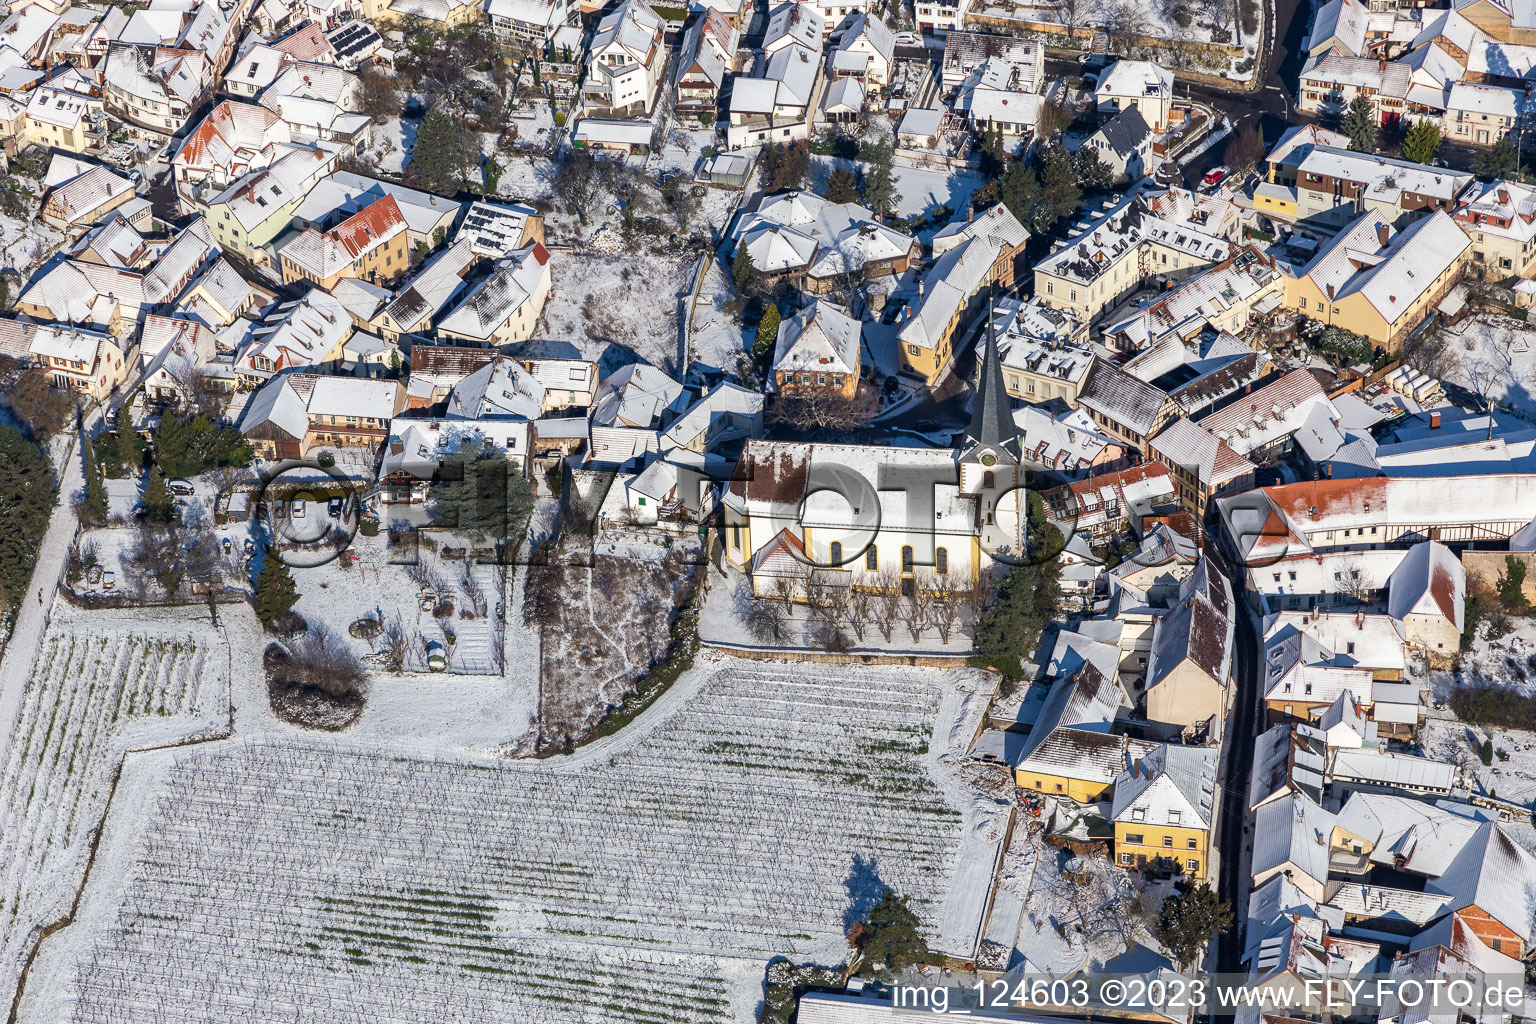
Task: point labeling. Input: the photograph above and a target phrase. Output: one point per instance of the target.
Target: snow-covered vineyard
(91, 697)
(653, 884)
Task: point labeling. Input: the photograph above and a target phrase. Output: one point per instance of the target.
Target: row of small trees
(879, 607)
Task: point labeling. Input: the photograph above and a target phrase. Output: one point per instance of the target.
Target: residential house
(779, 102)
(1378, 282)
(256, 67)
(301, 334)
(964, 52)
(61, 120)
(1126, 409)
(1045, 353)
(494, 230)
(416, 449)
(1223, 299)
(89, 363)
(993, 98)
(114, 243)
(429, 219)
(1427, 593)
(715, 423)
(817, 245)
(818, 351)
(501, 389)
(1140, 84)
(444, 15)
(294, 413)
(1123, 144)
(1108, 504)
(526, 26)
(940, 16)
(171, 350)
(624, 62)
(1500, 220)
(865, 49)
(1139, 243)
(235, 139)
(1164, 810)
(320, 104)
(968, 262)
(1481, 115)
(1063, 442)
(1334, 186)
(1189, 672)
(154, 89)
(369, 244)
(417, 305)
(80, 193)
(1204, 466)
(258, 206)
(1071, 749)
(504, 307)
(568, 383)
(1329, 83)
(708, 55)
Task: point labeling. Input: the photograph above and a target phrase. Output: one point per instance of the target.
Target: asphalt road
(1234, 835)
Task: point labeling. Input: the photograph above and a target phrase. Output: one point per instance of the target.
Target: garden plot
(650, 883)
(601, 628)
(1508, 660)
(343, 592)
(619, 306)
(1497, 356)
(1511, 776)
(92, 696)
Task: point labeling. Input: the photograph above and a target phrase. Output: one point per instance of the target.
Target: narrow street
(1237, 755)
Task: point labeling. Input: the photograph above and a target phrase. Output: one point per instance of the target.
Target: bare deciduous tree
(886, 602)
(859, 610)
(784, 589)
(765, 620)
(817, 408)
(949, 597)
(1355, 584)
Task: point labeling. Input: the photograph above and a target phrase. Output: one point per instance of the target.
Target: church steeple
(992, 425)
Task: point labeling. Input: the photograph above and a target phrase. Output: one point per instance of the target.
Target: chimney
(1328, 471)
(1434, 419)
(1330, 288)
(1383, 233)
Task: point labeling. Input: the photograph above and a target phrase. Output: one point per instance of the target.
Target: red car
(1213, 177)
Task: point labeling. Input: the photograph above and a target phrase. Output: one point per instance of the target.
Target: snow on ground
(617, 306)
(723, 621)
(1066, 926)
(1506, 660)
(1501, 349)
(100, 686)
(1511, 776)
(392, 143)
(717, 339)
(648, 878)
(923, 189)
(26, 244)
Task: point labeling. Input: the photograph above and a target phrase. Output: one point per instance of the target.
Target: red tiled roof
(371, 227)
(306, 42)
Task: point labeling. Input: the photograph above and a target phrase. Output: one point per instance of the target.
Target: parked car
(333, 508)
(177, 485)
(108, 579)
(1213, 177)
(296, 508)
(908, 39)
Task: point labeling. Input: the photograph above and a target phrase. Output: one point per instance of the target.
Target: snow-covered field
(1497, 354)
(646, 878)
(96, 691)
(616, 305)
(25, 245)
(1503, 660)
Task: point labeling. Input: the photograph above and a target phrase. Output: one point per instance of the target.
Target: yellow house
(1378, 282)
(1070, 750)
(258, 207)
(1191, 662)
(1164, 808)
(818, 351)
(446, 14)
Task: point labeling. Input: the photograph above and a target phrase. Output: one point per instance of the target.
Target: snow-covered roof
(1294, 831)
(1191, 447)
(1173, 786)
(821, 337)
(501, 389)
(637, 395)
(1199, 629)
(346, 192)
(632, 29)
(801, 229)
(432, 287)
(1430, 580)
(262, 194)
(728, 400)
(1135, 79)
(82, 196)
(491, 302)
(356, 397)
(277, 402)
(1389, 275)
(1065, 441)
(793, 24)
(297, 334)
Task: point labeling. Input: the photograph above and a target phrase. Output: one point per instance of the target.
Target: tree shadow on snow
(864, 887)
